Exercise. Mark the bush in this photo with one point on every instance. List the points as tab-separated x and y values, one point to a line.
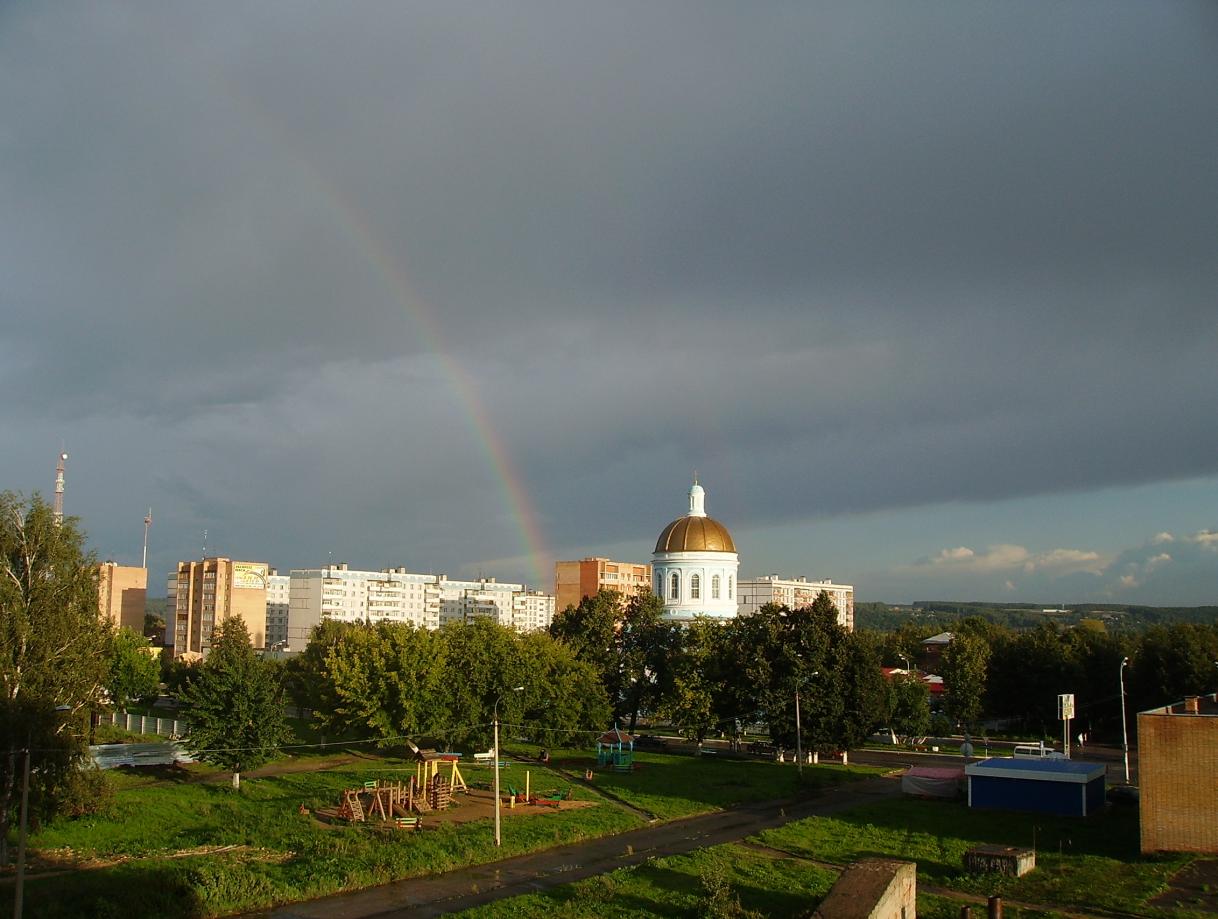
86	793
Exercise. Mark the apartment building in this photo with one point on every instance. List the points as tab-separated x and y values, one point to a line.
278	594
575	580
396	595
209	591
121	594
1178	776
795	593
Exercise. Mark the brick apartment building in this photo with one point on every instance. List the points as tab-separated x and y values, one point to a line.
1178	776
209	591
586	577
122	592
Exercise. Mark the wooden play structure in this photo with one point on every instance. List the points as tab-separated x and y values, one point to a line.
616	750
399	802
429	765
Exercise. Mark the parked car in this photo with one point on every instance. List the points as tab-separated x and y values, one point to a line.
1035	751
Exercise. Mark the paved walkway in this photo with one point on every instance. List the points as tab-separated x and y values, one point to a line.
436	895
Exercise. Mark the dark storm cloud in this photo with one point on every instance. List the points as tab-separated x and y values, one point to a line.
841	258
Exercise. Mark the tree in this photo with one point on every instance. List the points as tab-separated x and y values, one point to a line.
50	631
626	642
384	681
964	676
134	673
642	644
1171	662
909	704
690	692
154	628
235	704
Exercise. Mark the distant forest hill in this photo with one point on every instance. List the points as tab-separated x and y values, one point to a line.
1115	616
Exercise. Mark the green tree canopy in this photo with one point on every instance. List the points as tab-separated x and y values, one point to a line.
134	673
965	665
909	706
51	632
234	704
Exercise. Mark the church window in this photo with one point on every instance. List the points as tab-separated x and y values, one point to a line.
730	584
715	587
695	587
674	587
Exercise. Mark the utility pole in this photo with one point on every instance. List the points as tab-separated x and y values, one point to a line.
498	840
19	896
1124	723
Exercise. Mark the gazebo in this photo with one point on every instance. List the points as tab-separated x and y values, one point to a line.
613	748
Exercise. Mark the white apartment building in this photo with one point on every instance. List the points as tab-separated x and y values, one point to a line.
796	593
397	595
278	595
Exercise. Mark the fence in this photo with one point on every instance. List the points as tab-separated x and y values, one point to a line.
146	724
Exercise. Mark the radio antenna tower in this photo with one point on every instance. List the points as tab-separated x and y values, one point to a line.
63	457
147	524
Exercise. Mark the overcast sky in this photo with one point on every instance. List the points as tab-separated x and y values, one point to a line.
928	294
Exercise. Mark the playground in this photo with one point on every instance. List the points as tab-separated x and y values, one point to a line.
436	793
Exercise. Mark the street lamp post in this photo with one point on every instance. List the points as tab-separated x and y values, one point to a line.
498	840
799	747
908	666
19	896
19	884
1124	723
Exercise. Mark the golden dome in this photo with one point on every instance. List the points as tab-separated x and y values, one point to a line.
695	534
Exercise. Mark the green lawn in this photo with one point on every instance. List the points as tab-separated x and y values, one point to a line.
674	886
1084	863
284	856
1092	863
288	857
671	786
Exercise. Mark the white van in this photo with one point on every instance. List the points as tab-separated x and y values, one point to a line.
1035	751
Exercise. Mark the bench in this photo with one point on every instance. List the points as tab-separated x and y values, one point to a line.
484	757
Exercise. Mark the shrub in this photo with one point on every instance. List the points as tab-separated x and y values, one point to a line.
86	793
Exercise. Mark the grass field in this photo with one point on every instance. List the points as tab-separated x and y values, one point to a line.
1081	865
674	886
280	855
157	855
670	786
1093	862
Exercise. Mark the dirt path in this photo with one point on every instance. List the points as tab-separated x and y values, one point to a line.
468	887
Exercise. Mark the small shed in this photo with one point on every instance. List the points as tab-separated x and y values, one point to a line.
613	748
1069	788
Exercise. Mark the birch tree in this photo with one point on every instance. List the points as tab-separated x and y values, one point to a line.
52	650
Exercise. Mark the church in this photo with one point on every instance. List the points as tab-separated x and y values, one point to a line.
695	565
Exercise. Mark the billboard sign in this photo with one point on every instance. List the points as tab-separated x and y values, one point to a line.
249	575
1065	706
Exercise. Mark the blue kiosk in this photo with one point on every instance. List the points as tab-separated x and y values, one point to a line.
1068	788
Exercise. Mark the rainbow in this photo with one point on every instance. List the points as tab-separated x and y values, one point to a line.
515	495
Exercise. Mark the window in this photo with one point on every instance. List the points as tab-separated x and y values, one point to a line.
715	587
695	587
674	589
730	585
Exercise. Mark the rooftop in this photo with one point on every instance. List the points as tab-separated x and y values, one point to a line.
1202	706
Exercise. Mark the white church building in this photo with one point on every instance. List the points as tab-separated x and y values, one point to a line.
695	565
695	571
